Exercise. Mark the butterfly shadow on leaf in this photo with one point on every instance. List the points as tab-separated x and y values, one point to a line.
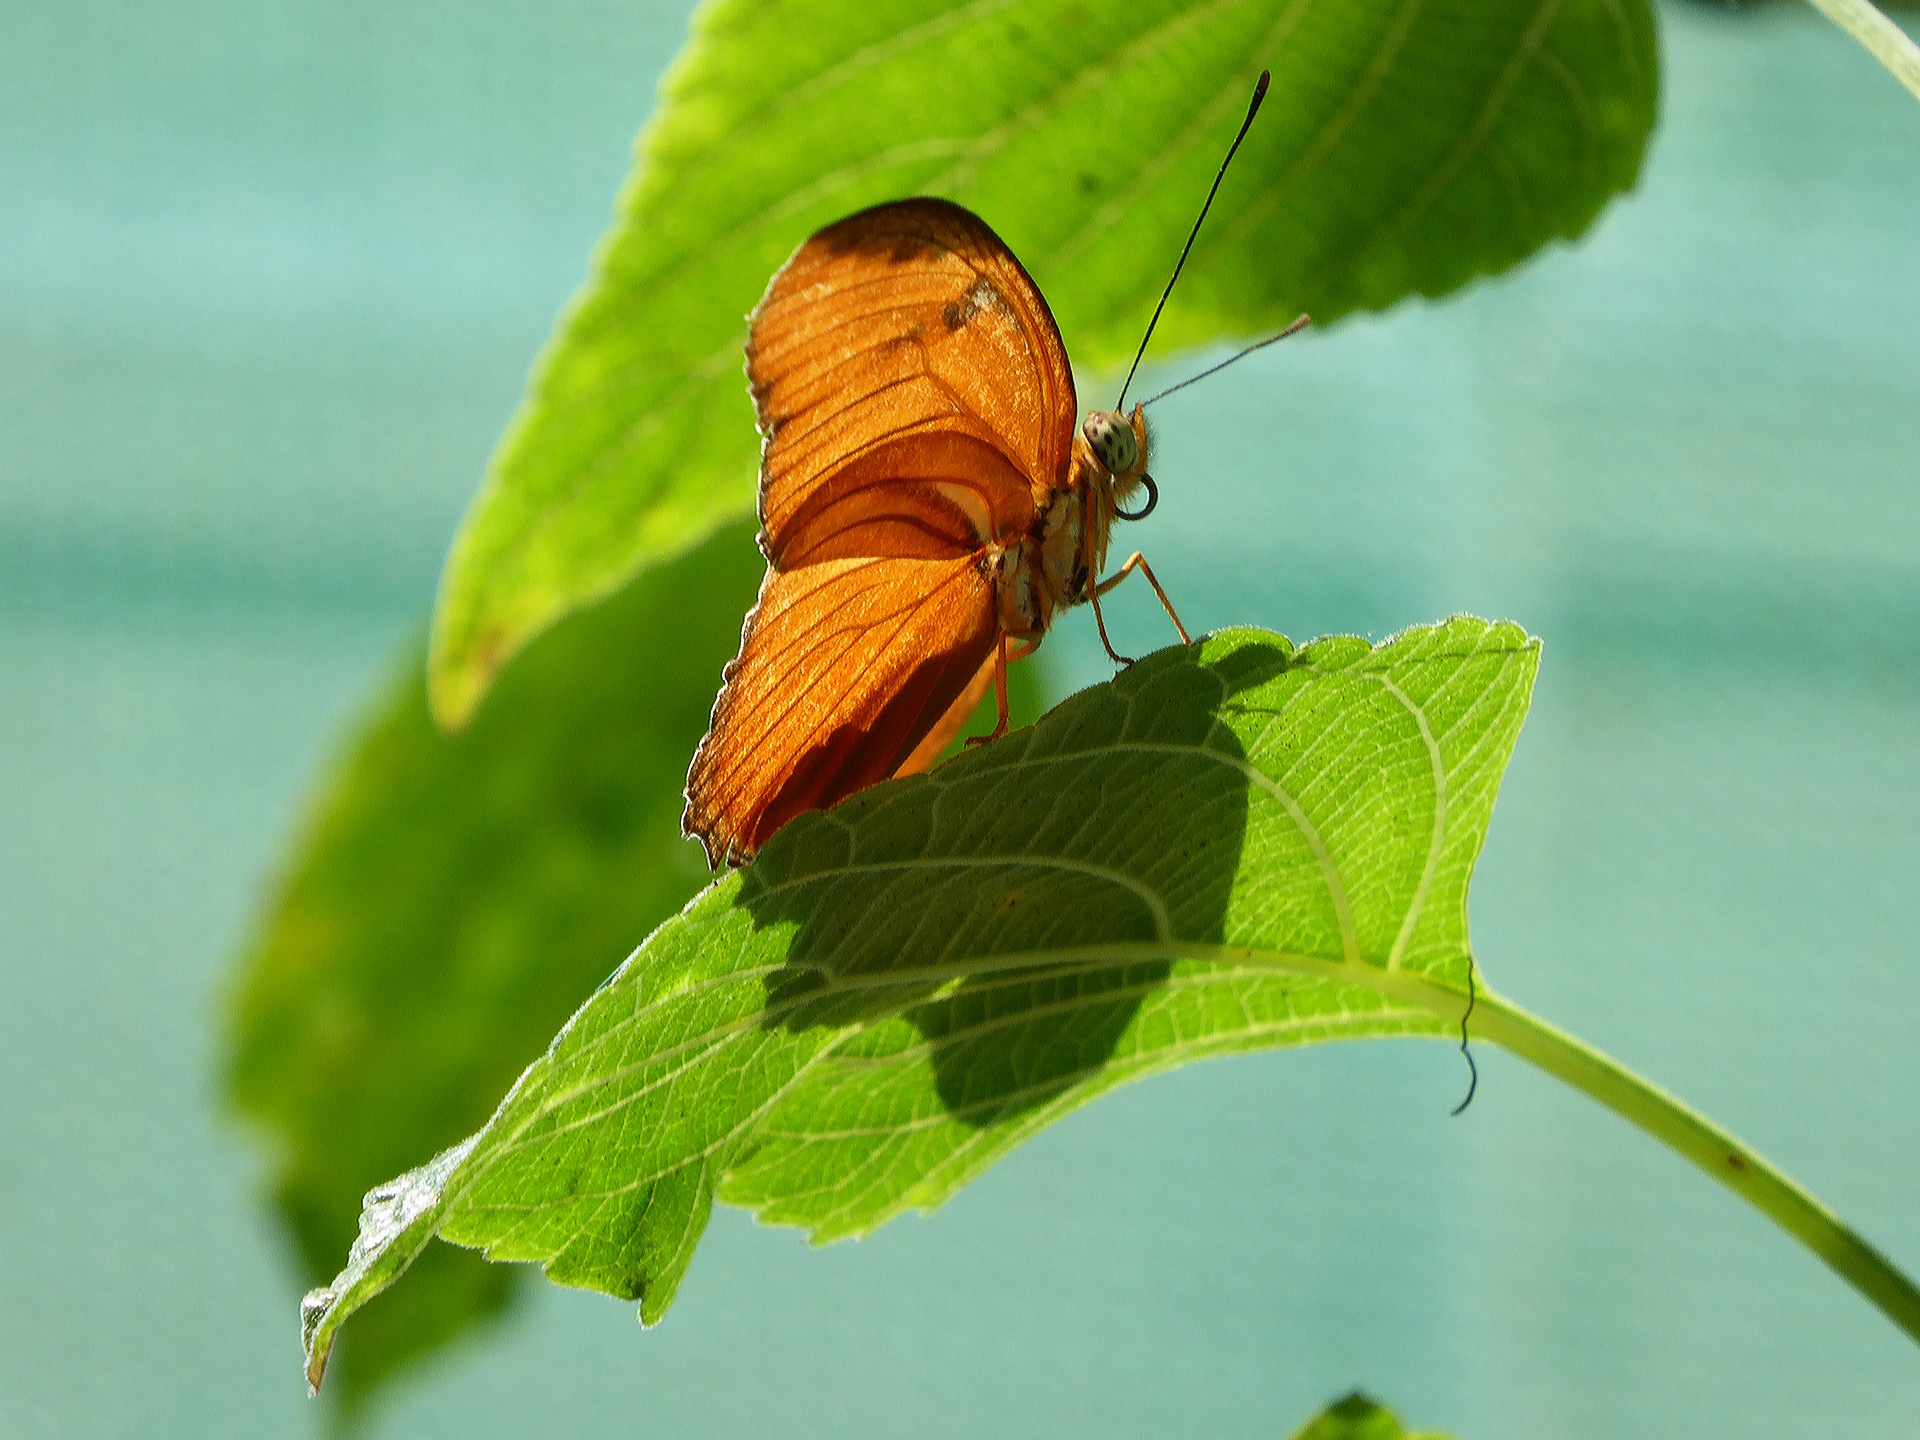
948	929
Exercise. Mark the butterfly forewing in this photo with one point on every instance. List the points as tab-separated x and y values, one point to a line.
905	345
913	394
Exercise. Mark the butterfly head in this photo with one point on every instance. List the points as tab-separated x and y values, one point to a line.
1119	443
1113	441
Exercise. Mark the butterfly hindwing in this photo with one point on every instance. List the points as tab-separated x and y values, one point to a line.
845	667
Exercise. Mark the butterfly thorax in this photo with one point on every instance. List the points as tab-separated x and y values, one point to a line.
1053	565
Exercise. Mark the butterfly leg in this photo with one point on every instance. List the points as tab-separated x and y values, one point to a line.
1093	594
1136	561
1001	661
1000	688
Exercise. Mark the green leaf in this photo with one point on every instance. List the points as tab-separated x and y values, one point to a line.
1358	1417
1405	149
1233	846
454	900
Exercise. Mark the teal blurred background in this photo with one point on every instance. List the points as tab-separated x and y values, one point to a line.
271	275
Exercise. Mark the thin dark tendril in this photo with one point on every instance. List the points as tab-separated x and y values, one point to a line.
1473	1070
1259	94
1295	328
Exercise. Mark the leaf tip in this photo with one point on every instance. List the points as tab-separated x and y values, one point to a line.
316	1336
396	1220
460	669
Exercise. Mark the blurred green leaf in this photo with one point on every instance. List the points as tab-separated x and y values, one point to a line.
1405	149
1230	847
454	900
1360	1418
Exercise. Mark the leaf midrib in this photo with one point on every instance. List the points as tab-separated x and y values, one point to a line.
1377	977
1398	985
1218	971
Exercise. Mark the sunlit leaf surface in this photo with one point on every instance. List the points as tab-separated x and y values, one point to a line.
1232	846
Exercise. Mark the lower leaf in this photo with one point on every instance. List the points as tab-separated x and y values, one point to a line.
1234	845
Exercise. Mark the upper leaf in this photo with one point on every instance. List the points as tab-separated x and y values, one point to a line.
1232	846
1405	148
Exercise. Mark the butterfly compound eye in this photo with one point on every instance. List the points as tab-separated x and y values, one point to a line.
1112	441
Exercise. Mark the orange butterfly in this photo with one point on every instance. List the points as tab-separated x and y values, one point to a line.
926	506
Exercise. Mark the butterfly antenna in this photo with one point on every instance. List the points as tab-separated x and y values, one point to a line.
1253	109
1294	329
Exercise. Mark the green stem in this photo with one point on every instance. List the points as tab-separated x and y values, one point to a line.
1733	1164
1736	1166
1886	41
